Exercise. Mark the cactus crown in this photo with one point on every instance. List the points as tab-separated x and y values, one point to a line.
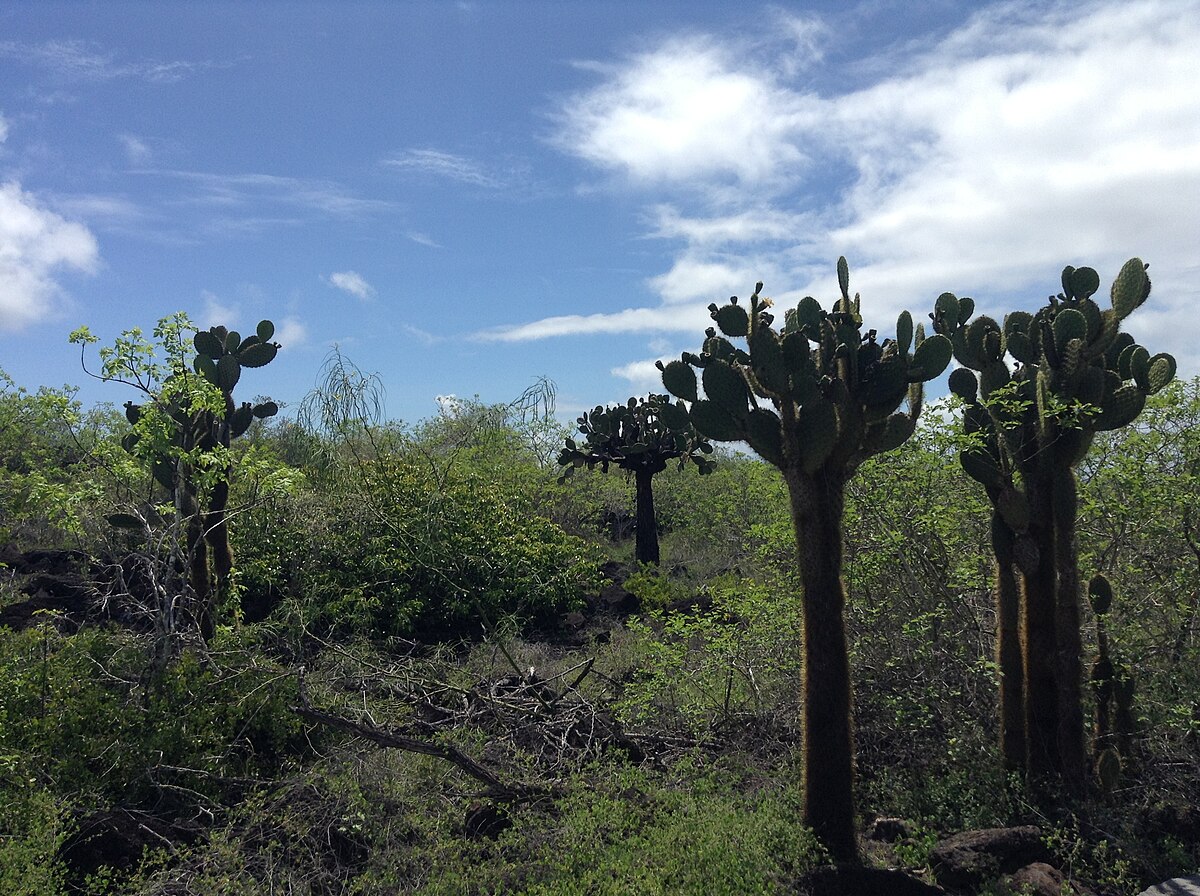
220	356
816	391
640	434
1076	374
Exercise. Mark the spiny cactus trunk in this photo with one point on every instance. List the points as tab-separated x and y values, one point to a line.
1039	645
817	504
188	509
216	533
646	550
1008	647
1069	652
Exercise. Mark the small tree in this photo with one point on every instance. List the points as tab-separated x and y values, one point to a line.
641	437
184	432
1076	374
815	398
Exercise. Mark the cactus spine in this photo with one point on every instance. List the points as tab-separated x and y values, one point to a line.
1076	374
641	437
815	397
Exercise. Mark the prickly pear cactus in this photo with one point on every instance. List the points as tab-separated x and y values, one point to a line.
1036	390
816	393
641	437
815	396
221	355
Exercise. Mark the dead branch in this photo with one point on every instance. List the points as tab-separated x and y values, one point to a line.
496	788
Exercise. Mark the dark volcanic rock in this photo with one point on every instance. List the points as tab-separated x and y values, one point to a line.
968	860
862	882
1040	879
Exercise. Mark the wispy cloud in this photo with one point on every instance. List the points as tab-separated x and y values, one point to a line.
422	239
631	320
81	61
1029	138
136	150
435	163
256	189
353	283
35	245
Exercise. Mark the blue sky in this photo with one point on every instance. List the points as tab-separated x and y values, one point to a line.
466	196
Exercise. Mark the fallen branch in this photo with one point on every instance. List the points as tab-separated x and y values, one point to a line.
496	788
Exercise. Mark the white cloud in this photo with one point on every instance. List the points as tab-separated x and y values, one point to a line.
631	320
217	312
643	376
236	192
353	283
692	279
443	164
688	110
3	129
35	244
1031	137
291	333
422	240
136	150
76	60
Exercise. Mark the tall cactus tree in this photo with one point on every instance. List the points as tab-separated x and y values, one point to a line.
815	398
198	432
641	437
1076	374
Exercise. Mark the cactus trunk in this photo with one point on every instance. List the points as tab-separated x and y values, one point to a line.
1008	647
1069	648
828	745
646	550
1038	644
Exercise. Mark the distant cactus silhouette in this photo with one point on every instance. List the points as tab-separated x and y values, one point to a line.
815	398
1076	374
641	437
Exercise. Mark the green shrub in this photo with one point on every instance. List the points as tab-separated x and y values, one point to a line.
407	554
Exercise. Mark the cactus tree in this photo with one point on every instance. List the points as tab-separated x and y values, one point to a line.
815	397
186	438
1075	374
641	437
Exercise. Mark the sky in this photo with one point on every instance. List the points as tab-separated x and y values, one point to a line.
464	197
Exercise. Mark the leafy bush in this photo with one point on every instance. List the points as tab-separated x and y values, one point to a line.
408	553
80	715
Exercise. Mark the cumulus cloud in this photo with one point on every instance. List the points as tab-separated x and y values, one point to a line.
353	283
35	245
1028	138
688	110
